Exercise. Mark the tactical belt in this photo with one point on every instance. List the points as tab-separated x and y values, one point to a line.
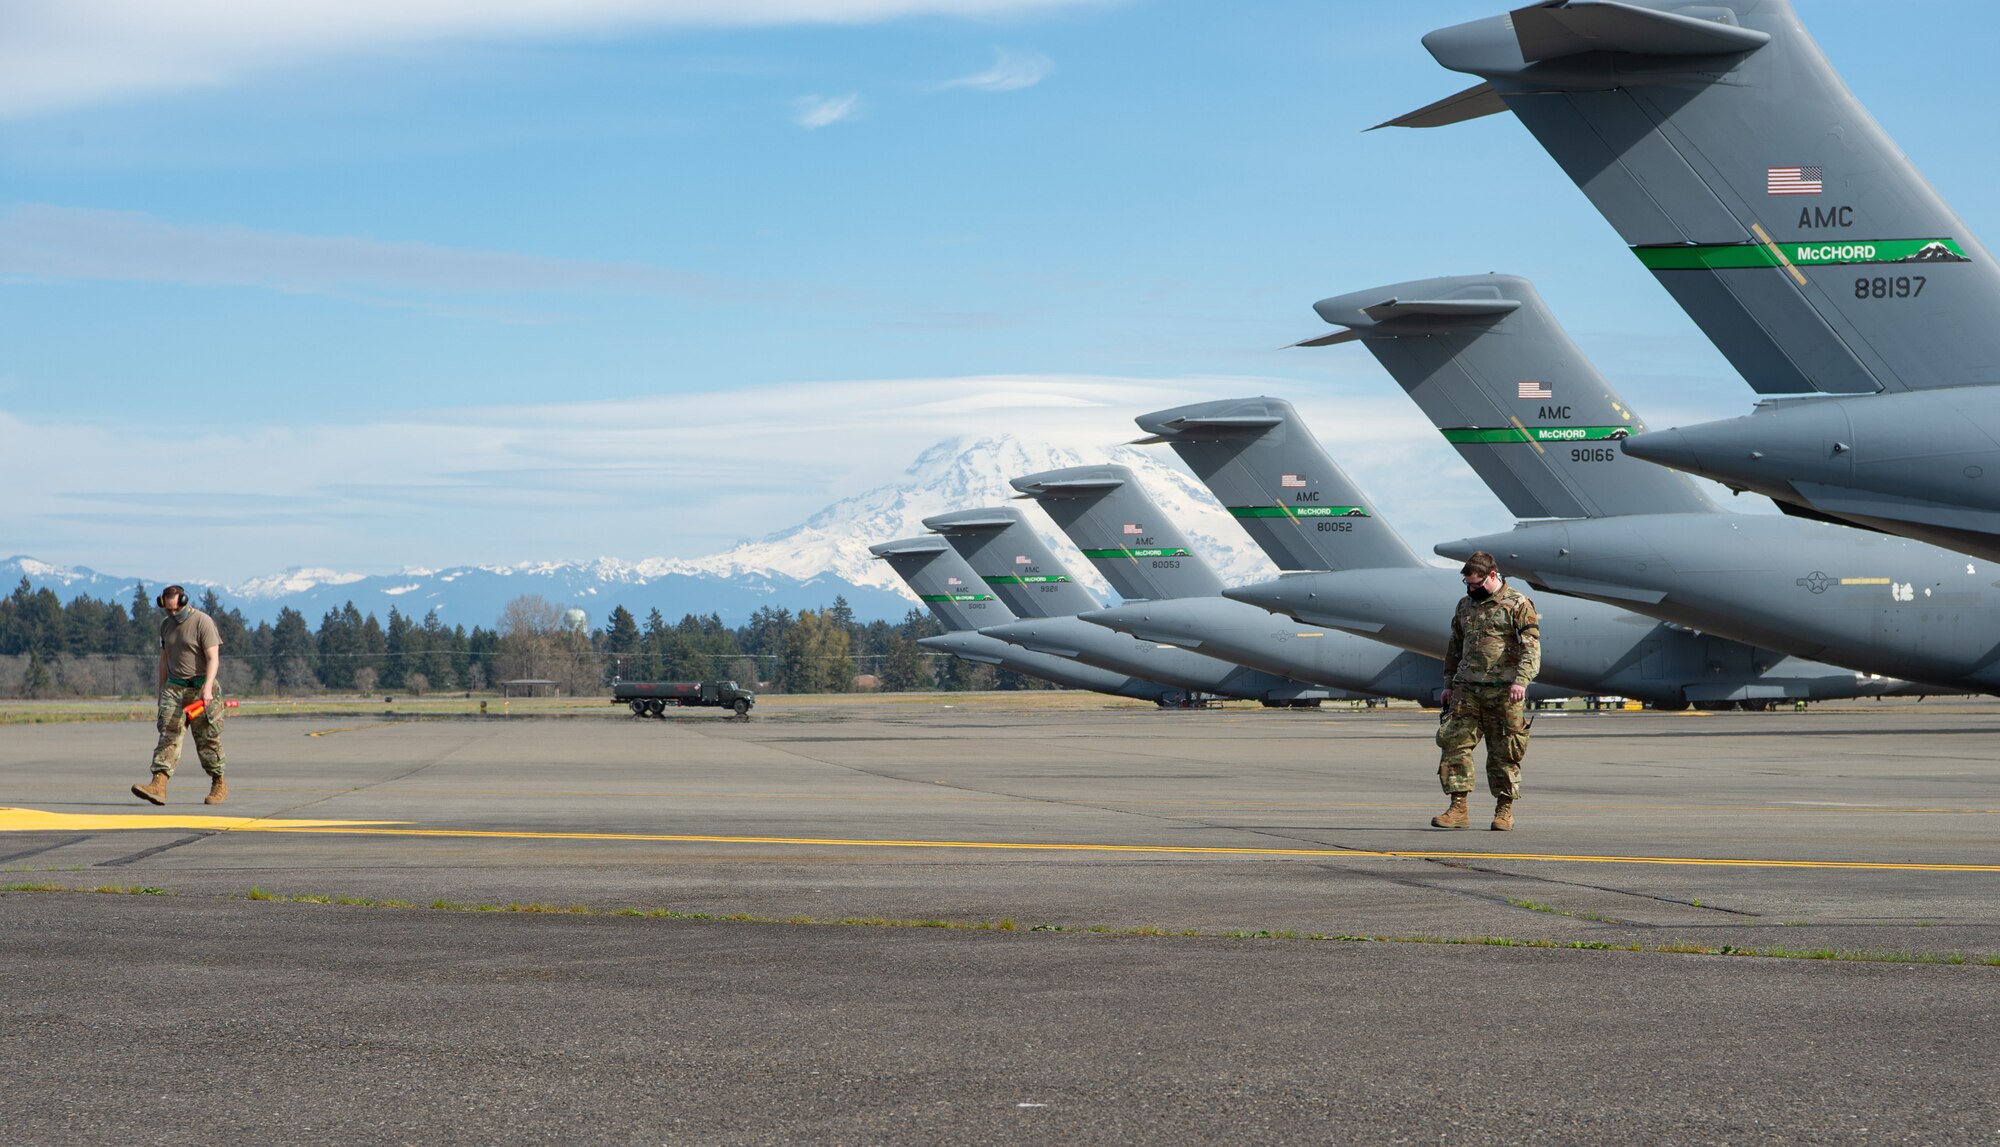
187	683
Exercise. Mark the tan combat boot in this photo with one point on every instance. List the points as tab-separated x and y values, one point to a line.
218	791
154	790
1503	815
1454	817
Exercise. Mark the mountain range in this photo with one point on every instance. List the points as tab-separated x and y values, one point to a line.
803	567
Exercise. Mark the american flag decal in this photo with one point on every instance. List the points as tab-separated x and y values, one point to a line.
1292	482
1023	560
1132	529
1794	180
1535	390
953	581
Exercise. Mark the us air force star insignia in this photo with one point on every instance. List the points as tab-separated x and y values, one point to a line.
1814	581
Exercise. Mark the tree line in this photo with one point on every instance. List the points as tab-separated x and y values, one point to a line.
86	647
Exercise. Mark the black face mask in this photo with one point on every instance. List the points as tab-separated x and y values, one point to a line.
1478	592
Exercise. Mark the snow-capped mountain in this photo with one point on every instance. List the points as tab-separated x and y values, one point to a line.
804	567
965	474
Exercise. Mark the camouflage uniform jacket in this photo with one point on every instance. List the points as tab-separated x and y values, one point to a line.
1497	641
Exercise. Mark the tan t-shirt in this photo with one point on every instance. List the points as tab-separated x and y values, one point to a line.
187	643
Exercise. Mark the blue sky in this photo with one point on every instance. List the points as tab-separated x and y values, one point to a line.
365	284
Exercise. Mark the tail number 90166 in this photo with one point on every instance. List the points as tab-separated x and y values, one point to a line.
1592	454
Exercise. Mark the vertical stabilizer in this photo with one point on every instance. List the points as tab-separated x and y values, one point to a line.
1488	364
1257	457
1013	561
1745	175
1123	533
936	574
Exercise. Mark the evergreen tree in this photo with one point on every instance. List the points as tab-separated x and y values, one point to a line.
436	661
145	636
339	647
622	640
483	648
292	653
258	659
374	647
399	642
653	649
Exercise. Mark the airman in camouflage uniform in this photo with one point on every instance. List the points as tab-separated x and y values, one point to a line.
190	655
1494	653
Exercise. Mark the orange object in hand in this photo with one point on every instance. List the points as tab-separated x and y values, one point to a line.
194	708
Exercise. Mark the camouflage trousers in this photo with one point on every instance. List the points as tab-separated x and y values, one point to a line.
172	721
1483	711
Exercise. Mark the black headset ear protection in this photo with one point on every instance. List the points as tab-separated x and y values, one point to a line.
177	591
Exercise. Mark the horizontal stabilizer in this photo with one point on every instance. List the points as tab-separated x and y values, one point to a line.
946	523
1472	103
1074	486
1554	30
1220	424
1439	308
909	546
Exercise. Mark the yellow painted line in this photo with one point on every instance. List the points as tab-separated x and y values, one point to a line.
44	821
355	728
1765	238
35	820
1162	849
1864	581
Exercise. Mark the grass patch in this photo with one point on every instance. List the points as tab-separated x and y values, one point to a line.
70	717
1552	910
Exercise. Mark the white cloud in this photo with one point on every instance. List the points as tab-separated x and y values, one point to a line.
815	112
57	55
38	241
678	476
1009	72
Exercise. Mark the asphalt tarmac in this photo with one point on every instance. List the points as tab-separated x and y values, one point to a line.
974	918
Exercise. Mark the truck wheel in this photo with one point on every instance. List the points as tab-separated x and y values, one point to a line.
742	707
638	708
657	709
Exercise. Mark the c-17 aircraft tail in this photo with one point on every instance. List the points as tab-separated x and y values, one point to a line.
944	582
1124	534
1296	503
937	574
1013	562
1726	150
1493	370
